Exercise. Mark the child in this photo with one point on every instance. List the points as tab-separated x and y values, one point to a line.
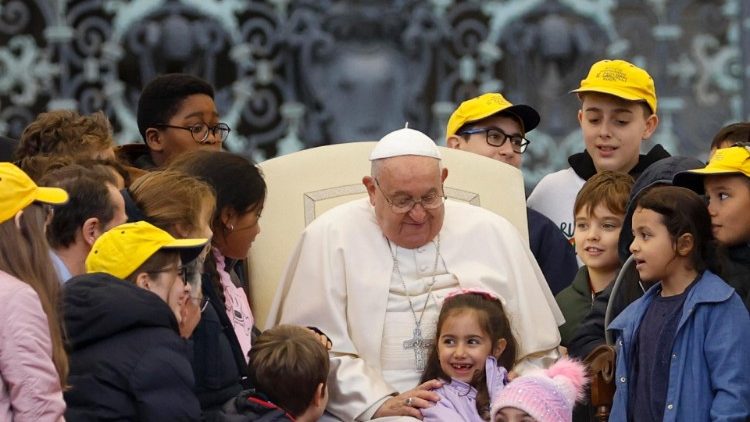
726	183
618	112
128	361
474	347
289	368
491	126
599	212
682	347
542	395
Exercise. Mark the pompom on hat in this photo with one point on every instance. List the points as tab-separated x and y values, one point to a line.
546	395
405	142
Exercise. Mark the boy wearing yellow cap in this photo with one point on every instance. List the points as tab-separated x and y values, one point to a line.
726	183
127	360
491	126
618	113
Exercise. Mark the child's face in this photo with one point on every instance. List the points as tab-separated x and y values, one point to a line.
728	204
195	109
511	414
613	129
596	236
463	346
653	248
477	143
236	243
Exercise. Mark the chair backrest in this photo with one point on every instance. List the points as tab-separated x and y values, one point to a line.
305	184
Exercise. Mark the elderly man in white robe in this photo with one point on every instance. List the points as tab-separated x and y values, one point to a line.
372	274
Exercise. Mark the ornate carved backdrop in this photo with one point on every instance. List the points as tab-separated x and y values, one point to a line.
291	74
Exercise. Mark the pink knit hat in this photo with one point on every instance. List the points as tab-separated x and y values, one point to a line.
546	395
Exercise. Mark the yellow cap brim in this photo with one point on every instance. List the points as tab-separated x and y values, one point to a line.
616	92
52	196
189	249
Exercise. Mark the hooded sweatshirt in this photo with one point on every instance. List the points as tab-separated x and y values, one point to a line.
127	360
555	195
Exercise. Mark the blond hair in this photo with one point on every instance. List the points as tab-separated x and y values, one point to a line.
172	199
65	132
288	363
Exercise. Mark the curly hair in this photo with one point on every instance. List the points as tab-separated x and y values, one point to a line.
65	132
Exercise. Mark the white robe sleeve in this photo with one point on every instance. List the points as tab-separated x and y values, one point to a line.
314	292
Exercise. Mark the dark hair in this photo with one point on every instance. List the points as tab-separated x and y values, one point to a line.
734	133
89	197
608	188
684	212
155	262
287	363
162	97
494	323
475	123
237	182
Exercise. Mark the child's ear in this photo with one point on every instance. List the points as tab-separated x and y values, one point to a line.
685	244
651	123
320	395
453	141
499	348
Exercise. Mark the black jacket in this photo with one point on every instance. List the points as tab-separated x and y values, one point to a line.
252	406
583	164
127	360
218	362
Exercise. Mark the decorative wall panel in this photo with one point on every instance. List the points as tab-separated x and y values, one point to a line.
292	74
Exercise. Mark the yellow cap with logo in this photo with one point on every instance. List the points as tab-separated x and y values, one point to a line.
725	161
487	105
18	191
621	79
124	248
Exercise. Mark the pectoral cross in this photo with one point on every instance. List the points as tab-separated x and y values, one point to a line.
420	346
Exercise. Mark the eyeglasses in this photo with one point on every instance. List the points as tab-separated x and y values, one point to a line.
200	302
182	272
497	138
404	203
200	131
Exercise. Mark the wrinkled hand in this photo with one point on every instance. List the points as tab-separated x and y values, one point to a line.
322	338
409	402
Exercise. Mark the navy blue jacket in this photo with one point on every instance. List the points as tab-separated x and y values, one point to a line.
127	360
554	254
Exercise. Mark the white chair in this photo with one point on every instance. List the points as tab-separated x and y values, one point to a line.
303	185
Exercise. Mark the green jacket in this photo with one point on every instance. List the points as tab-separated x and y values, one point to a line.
575	303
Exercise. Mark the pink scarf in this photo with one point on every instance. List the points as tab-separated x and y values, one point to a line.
236	304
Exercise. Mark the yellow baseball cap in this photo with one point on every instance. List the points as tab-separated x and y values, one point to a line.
487	105
124	248
725	161
621	79
18	191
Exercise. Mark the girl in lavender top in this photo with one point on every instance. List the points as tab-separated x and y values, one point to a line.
474	346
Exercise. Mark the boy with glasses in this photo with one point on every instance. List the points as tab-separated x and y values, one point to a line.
176	114
127	360
490	125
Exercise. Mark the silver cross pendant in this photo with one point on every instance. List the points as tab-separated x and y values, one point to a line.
420	346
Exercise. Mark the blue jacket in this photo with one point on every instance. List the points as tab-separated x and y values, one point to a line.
708	377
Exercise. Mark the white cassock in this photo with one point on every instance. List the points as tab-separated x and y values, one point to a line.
338	280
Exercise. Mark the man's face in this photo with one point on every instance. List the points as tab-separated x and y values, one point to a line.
413	177
195	109
613	130
118	204
477	143
728	204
